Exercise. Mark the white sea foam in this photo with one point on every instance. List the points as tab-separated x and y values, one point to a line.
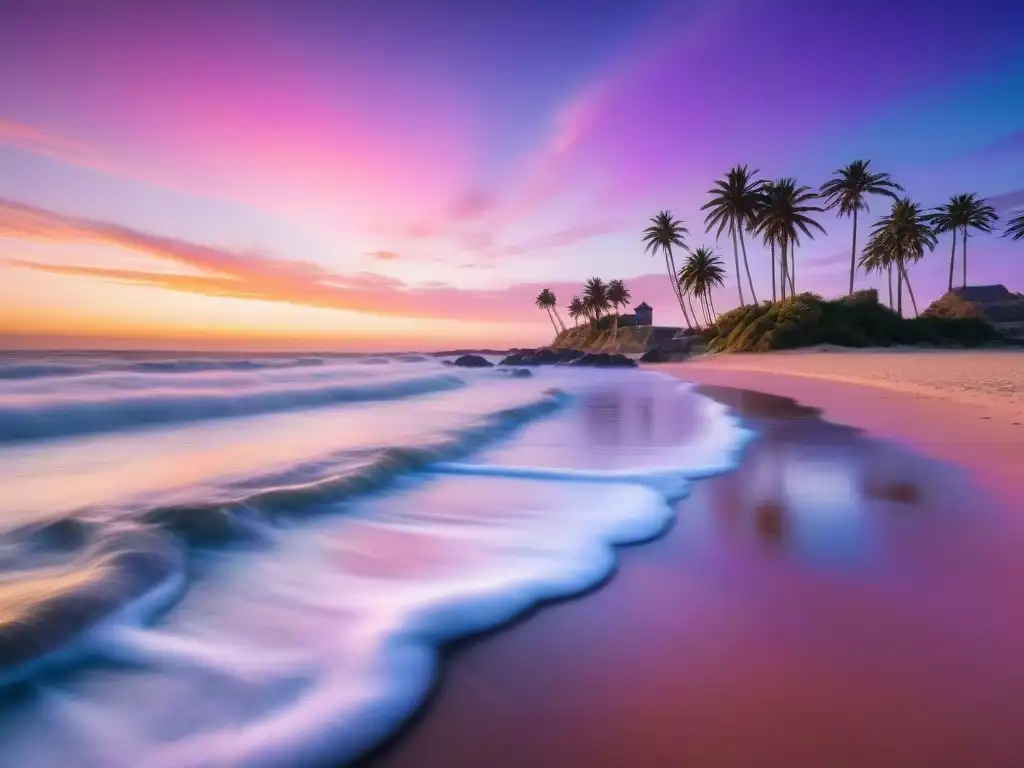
316	644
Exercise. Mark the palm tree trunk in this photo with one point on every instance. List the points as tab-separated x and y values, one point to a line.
714	313
906	278
736	258
774	297
853	251
559	318
952	259
963	256
689	300
792	269
890	286
782	272
899	292
552	319
706	308
674	280
743	245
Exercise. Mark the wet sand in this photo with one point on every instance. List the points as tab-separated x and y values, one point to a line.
838	600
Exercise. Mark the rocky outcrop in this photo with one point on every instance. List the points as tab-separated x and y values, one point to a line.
516	373
994	304
472	361
542	356
605	360
659	355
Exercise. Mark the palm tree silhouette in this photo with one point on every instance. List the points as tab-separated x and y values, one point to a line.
783	215
964	212
703	271
618	296
546	300
897	240
664	232
1015	227
848	190
577	309
595	297
950	217
734	203
766	193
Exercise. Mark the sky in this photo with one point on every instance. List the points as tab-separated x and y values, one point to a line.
409	174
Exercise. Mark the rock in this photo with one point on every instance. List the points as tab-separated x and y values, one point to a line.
517	373
542	356
654	355
472	361
605	360
674	354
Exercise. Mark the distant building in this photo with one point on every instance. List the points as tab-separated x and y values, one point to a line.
644	314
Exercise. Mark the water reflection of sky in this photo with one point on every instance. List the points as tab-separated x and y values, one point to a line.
809	489
616	423
822	493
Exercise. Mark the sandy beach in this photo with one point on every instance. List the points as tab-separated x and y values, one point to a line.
848	596
989	378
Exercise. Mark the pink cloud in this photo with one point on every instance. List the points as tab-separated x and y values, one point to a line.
28	138
253	276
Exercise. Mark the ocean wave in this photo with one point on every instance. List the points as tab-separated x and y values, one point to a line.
314	645
76	573
35	418
35	370
122	575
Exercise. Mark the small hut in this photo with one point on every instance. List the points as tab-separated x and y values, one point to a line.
644	314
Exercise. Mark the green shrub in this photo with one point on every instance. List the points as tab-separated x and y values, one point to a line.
858	320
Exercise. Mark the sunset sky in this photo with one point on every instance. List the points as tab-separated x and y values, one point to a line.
405	174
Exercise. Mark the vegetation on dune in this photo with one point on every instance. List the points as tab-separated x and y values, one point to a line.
780	212
856	320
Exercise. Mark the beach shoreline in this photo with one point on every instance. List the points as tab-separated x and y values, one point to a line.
699	651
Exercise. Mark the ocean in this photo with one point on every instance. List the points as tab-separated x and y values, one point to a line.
221	560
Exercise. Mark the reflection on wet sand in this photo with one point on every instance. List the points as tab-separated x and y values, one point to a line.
810	484
837	600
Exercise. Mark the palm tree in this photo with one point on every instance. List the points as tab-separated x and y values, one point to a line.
546	301
897	240
950	217
979	215
961	213
734	203
848	191
664	232
595	297
783	215
577	309
618	296
767	192
703	271
1015	227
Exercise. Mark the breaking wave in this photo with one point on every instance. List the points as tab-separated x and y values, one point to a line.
289	608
